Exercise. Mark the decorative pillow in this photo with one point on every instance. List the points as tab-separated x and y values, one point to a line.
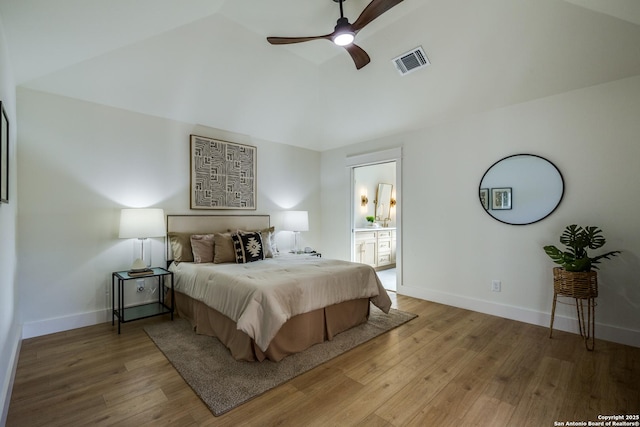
181	246
268	241
248	246
202	247
223	248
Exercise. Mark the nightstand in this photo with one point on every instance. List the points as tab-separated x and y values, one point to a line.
141	311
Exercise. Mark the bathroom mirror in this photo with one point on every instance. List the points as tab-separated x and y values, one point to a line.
521	189
383	201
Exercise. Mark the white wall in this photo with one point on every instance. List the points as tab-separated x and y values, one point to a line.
452	249
80	163
9	326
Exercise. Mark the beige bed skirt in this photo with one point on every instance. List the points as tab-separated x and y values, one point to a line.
297	334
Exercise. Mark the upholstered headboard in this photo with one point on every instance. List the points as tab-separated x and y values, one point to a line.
206	224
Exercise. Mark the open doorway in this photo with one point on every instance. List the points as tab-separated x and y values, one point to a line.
375	214
374	219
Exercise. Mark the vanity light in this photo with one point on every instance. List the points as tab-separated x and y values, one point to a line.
364	200
392	202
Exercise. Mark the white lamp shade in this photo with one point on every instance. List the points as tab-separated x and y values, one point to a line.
295	221
141	223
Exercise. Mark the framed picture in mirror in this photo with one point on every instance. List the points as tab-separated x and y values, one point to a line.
484	198
501	198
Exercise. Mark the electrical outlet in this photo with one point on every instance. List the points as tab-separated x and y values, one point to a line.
496	285
140	285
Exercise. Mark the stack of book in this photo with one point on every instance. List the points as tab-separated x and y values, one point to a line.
138	273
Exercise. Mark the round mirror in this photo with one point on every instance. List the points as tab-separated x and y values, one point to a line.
521	189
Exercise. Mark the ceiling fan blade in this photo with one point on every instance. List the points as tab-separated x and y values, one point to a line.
372	11
291	40
359	56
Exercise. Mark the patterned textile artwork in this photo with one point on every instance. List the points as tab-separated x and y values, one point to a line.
223	174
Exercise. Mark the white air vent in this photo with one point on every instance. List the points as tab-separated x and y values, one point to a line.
411	61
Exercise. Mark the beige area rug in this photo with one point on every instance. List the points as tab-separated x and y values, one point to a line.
224	383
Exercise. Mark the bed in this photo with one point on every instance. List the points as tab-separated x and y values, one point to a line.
268	307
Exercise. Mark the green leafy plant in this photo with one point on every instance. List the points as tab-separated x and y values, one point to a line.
371	219
577	240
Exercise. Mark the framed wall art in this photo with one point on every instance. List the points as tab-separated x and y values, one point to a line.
223	174
4	155
501	198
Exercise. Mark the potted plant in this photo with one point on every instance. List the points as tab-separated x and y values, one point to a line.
577	240
576	277
371	220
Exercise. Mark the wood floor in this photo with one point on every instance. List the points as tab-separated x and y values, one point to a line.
448	367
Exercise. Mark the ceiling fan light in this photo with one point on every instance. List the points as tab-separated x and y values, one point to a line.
343	34
344	39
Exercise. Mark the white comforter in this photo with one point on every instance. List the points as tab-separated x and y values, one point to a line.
261	296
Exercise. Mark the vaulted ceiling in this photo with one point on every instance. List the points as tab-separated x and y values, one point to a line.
208	62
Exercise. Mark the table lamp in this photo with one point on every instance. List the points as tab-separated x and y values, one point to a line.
141	224
295	221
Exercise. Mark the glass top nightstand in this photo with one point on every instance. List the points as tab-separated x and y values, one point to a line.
141	311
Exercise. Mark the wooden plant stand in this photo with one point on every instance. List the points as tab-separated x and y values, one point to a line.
583	287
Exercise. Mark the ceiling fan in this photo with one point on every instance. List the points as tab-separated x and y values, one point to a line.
345	33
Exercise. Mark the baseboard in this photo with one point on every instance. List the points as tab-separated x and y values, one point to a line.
13	345
606	332
59	324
